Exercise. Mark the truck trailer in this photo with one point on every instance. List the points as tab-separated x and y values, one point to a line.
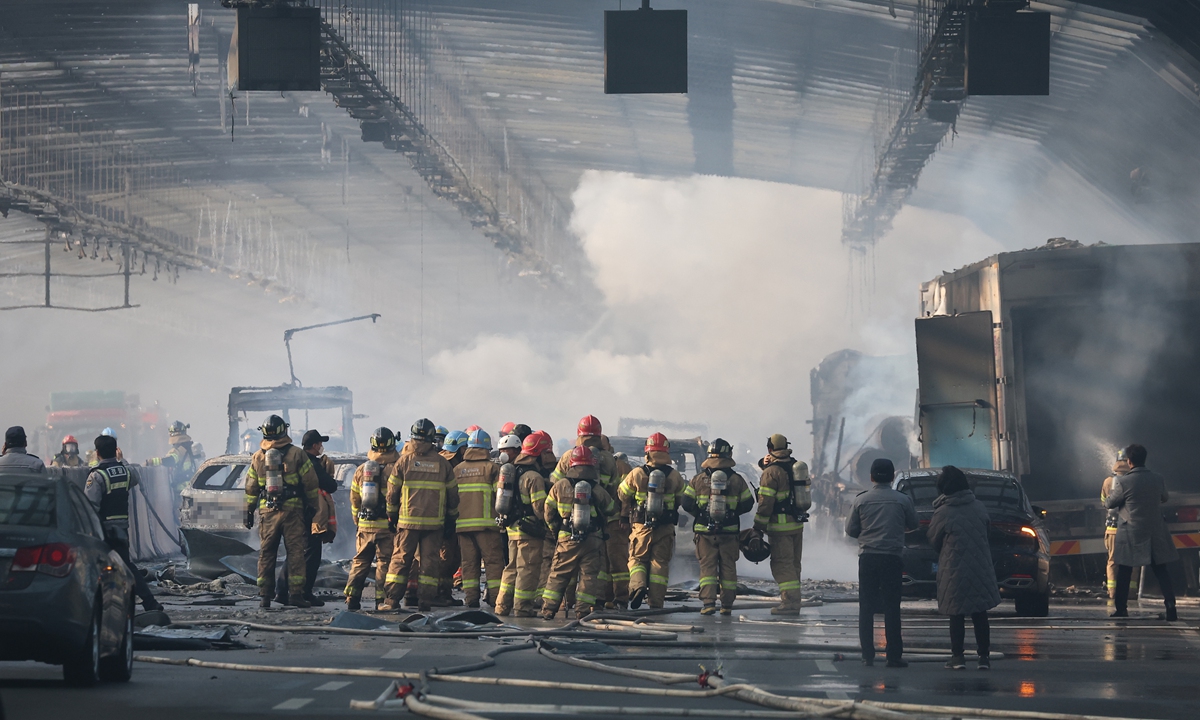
1043	363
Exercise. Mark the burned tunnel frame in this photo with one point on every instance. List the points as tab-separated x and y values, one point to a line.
285	398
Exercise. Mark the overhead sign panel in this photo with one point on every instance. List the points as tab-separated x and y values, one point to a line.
276	48
1008	53
645	51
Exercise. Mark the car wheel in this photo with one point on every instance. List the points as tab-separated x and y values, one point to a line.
119	666
1033	605
82	669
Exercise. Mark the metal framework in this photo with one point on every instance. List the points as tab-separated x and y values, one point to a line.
911	121
388	66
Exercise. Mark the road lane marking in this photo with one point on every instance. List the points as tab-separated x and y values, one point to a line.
293	704
334	685
836	695
395	654
826	666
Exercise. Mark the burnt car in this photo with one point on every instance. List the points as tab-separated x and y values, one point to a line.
66	598
1019	543
215	501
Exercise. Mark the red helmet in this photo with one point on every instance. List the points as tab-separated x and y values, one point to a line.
472	429
589	426
536	443
582	455
507	428
70	439
657	443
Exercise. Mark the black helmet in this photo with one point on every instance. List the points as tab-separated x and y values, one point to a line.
754	547
177	428
423	429
383	440
720	448
522	431
274	428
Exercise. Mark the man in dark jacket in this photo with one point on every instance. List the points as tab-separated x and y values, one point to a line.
313	443
14	455
879	518
1142	536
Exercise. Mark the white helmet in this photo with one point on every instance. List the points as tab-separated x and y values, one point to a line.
510	442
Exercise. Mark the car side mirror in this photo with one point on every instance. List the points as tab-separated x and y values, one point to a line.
1039	511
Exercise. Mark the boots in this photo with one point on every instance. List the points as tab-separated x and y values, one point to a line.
790	605
298	600
265	602
353	603
710	609
1171	615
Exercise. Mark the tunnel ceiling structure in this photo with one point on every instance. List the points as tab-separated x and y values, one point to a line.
500	108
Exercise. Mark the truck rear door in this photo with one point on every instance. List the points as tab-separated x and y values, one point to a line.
956	369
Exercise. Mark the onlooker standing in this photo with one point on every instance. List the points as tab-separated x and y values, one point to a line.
878	518
15	456
966	578
1142	536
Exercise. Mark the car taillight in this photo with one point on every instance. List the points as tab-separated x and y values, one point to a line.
54	559
1187	514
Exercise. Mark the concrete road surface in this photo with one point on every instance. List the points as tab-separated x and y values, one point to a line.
1076	661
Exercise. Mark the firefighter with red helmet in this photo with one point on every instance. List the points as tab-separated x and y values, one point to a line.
68	456
616	571
650	497
577	509
522	512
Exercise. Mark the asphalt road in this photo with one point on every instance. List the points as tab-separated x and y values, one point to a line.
1076	661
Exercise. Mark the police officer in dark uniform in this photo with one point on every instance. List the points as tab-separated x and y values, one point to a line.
108	486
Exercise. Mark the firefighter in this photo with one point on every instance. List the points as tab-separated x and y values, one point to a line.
282	486
508	449
1119	468
422	499
617	546
523	515
323	526
68	456
180	459
479	539
439	435
453	446
589	434
783	503
368	504
108	486
717	497
577	509
650	498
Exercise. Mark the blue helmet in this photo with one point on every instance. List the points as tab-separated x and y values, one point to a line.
109	432
455	439
479	439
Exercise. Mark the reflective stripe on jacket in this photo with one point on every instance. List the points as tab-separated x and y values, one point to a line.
298	474
634	489
775	486
422	491
560	503
738	498
476	476
376	518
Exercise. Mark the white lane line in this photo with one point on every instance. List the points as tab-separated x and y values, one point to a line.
293	704
836	695
816	631
826	666
332	686
395	654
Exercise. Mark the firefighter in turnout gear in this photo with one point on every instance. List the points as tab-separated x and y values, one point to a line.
108	487
479	538
717	497
368	503
783	502
521	510
590	435
68	456
422	495
1119	468
617	545
650	498
282	486
577	509
180	459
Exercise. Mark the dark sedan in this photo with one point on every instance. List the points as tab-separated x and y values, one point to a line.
65	597
1020	546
